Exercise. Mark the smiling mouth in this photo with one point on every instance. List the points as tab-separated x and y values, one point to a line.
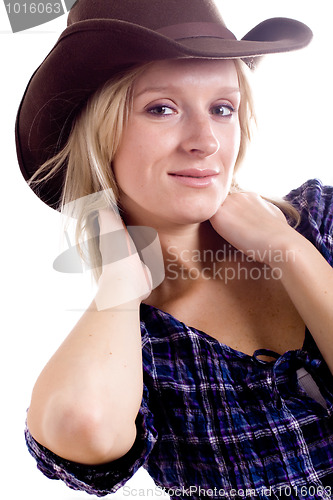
194	176
195	173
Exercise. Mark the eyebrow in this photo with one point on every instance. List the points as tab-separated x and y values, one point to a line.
147	90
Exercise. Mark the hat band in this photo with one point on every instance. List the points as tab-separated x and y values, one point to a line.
196	30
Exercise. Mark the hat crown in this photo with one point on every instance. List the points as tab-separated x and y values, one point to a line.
151	14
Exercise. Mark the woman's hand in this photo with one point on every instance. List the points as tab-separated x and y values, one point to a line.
125	278
252	225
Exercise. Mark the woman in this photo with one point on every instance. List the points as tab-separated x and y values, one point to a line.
239	403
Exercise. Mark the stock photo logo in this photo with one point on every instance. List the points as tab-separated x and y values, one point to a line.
127	254
26	14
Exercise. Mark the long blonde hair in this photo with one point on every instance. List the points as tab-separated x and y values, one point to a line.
93	143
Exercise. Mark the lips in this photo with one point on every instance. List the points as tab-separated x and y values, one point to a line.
195	177
194	172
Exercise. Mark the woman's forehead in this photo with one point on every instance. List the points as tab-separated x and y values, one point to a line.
180	72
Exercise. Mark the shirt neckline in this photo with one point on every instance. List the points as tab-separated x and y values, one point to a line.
225	347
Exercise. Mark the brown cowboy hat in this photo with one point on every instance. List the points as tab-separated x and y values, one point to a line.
104	37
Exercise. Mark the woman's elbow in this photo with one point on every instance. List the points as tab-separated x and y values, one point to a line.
80	433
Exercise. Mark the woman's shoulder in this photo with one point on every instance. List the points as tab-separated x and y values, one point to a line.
313	197
314	202
158	325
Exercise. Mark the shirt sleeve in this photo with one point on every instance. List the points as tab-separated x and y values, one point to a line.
101	480
314	202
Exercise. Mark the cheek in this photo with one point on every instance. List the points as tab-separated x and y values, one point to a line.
124	162
229	149
234	142
131	166
142	151
135	141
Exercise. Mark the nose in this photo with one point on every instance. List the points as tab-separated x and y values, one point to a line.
199	137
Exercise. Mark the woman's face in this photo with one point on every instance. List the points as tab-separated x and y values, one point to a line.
176	157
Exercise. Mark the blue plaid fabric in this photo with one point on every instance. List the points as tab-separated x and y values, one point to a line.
218	423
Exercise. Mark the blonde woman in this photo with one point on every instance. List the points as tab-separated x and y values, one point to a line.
217	379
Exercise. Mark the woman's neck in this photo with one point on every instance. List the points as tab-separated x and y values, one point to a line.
189	255
189	252
187	246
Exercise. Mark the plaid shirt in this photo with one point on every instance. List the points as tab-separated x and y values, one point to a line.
215	422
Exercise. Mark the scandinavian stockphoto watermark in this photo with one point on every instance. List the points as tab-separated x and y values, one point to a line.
226	263
132	256
25	14
129	256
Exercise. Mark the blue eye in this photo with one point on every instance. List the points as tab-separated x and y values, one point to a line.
160	110
222	110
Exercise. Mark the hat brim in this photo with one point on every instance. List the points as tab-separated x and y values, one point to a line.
89	53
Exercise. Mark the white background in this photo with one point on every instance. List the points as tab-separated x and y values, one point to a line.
39	306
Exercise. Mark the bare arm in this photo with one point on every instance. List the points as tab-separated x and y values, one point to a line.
85	402
308	279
